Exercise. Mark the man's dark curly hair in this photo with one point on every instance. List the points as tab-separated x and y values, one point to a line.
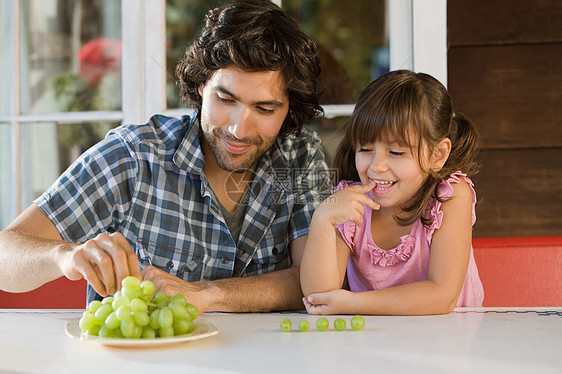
255	35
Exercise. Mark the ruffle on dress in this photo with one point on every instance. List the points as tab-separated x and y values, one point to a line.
391	257
445	190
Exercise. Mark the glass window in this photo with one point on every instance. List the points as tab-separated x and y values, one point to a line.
6	180
70	55
50	148
184	20
353	41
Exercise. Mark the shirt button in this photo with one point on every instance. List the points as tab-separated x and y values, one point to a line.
170	265
274	250
225	260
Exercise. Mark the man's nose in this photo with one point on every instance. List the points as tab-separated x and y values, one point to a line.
241	124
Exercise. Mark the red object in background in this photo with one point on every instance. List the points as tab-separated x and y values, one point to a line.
520	271
99	57
58	294
515	271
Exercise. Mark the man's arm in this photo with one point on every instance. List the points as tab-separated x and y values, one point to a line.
278	290
32	253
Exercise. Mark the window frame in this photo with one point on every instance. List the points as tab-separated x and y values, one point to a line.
417	32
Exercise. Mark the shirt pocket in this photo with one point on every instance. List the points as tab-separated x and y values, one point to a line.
184	264
272	254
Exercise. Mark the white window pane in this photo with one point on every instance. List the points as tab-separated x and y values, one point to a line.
70	55
51	148
5	178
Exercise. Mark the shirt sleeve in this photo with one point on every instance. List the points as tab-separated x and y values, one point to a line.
93	194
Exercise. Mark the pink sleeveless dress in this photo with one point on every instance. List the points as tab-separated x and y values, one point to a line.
372	268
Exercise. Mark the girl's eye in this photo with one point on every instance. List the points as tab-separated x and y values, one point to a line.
397	153
362	150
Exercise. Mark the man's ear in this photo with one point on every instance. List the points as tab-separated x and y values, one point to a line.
200	90
441	154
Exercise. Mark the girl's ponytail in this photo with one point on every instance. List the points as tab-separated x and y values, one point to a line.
465	145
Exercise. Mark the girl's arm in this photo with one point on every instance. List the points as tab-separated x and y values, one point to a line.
325	255
450	253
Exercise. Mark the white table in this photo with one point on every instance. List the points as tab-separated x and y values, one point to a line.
465	341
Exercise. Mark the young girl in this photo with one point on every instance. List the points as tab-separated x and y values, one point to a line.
397	232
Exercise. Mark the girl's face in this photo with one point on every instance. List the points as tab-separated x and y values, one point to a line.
394	170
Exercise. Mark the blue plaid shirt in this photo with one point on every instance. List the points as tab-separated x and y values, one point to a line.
147	182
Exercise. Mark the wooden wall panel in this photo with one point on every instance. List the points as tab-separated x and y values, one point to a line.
505	72
514	93
485	22
520	193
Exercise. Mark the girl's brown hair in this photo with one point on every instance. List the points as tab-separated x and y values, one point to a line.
414	109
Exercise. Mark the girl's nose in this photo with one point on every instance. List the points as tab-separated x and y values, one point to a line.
378	163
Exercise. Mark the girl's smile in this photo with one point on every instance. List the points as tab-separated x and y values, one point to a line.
393	169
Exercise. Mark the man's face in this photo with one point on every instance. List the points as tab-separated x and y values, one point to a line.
241	115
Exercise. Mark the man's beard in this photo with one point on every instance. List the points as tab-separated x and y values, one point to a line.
236	163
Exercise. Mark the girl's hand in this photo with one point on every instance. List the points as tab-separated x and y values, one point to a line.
347	205
331	302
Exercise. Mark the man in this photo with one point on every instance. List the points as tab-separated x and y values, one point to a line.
215	206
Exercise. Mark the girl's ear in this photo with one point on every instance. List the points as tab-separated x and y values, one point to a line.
441	154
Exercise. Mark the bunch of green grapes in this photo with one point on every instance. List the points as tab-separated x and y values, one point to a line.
135	312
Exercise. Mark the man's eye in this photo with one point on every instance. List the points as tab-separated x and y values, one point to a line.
224	99
265	110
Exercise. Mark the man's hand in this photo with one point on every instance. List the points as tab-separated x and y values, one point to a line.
172	285
103	261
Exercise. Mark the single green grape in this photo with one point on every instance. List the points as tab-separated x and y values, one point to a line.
137	332
148	333
165	318
105	332
357	323
118	301
161	298
140	318
178	298
94	305
107	300
178	310
112	322
102	312
127	328
132	294
138	305
94	330
322	324
192	311
166	332
87	322
124	313
286	325
130	283
183	326
304	325
154	319
147	288
339	324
